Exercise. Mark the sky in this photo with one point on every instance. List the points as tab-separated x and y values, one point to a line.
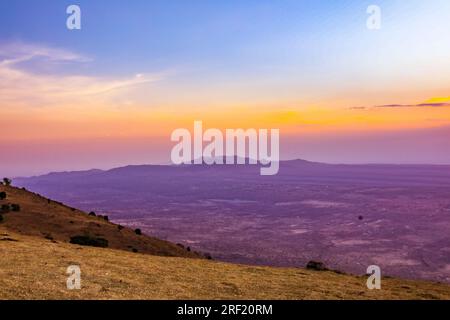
111	93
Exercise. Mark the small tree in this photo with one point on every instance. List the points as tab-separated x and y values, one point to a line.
89	241
316	265
5	208
208	256
1	218
2	195
92	214
7	181
138	232
15	207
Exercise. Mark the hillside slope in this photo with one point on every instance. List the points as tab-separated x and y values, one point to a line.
35	254
33	268
42	217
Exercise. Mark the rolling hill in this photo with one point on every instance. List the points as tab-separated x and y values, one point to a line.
35	253
44	218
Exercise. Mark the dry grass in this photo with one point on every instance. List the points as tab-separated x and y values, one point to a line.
32	268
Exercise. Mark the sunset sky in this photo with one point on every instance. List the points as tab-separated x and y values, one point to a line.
111	93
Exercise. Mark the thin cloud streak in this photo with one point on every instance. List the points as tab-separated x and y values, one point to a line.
420	105
19	87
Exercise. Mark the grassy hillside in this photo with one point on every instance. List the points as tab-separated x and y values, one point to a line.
42	217
34	268
33	265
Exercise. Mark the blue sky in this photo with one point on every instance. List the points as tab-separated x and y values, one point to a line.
163	34
141	68
305	42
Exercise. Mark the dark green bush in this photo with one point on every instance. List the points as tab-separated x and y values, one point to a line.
2	195
1	218
7	181
15	207
89	241
5	208
92	214
316	265
48	236
208	256
138	232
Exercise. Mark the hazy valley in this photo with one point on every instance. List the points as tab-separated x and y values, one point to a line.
348	216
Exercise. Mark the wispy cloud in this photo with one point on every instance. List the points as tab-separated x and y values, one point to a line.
419	105
13	53
22	86
358	108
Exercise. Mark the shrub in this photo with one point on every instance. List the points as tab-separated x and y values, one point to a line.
2	195
138	232
89	241
7	181
15	207
208	256
106	218
1	218
120	227
48	236
135	250
315	265
92	214
188	249
5	208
